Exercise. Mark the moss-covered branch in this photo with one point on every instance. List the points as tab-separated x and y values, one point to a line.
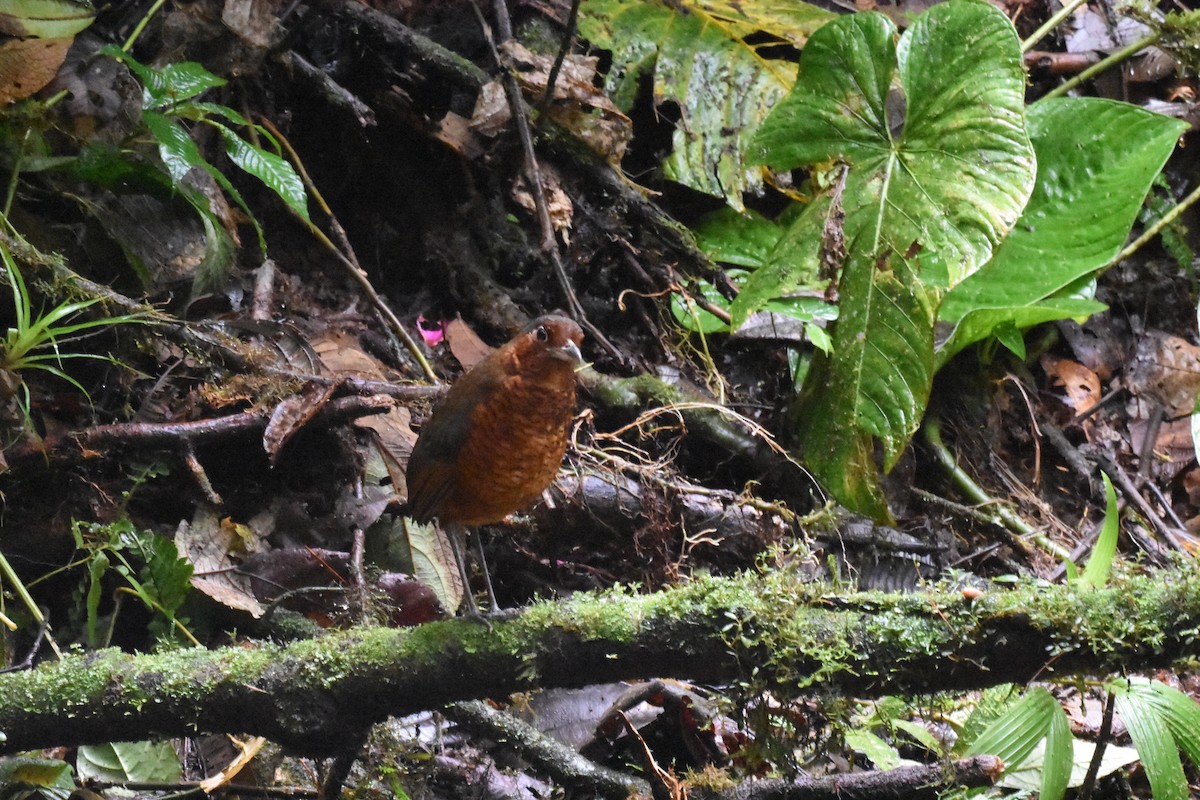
314	694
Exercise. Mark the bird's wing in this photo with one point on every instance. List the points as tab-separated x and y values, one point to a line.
433	463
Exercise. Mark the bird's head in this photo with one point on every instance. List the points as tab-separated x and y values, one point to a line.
553	337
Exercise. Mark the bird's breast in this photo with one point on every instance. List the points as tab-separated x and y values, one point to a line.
513	449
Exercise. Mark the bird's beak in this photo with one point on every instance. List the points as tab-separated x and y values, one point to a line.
570	352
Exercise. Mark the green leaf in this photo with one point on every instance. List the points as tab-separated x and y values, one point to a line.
171	84
269	168
933	130
200	112
794	264
1179	711
693	318
744	239
1154	743
1096	161
701	60
920	734
46	19
882	754
97	565
125	762
175	145
979	324
48	773
219	257
1012	736
1059	756
1030	775
166	575
877	384
1095	574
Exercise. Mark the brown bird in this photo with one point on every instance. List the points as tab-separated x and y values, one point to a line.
497	439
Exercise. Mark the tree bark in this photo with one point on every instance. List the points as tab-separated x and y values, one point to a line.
765	631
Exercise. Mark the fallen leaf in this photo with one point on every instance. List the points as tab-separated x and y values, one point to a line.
27	65
465	344
1080	385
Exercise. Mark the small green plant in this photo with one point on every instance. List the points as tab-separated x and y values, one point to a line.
148	564
1100	562
35	341
168	101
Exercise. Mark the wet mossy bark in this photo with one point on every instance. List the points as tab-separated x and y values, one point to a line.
765	631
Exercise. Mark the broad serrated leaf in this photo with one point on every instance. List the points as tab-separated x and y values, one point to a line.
932	128
700	61
125	762
276	173
166	575
877	384
1155	745
1096	161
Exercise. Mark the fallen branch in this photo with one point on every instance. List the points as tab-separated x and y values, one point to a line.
912	783
98	440
312	695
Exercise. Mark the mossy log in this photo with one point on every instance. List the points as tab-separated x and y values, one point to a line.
768	631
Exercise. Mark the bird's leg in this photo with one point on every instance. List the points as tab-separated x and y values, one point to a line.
483	567
457	535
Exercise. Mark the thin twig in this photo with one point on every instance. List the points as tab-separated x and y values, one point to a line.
967	485
1067	10
1093	771
347	259
1090	72
1123	482
533	173
568	40
1156	228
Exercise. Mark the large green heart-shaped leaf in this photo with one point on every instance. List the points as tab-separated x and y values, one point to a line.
933	133
1096	160
933	130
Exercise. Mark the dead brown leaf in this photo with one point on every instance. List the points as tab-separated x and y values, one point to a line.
1166	368
27	65
465	344
1080	385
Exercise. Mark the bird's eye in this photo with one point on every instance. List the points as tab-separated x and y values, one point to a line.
542	334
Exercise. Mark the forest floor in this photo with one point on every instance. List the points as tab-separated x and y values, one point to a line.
239	452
